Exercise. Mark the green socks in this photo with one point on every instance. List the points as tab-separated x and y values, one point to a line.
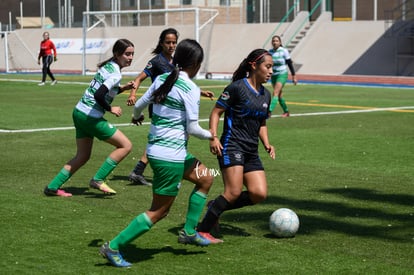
142	223
136	228
106	168
273	104
63	176
283	105
195	207
60	179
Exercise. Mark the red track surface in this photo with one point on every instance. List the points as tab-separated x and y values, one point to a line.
392	80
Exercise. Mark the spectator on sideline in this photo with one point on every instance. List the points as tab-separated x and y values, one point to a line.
280	57
245	104
159	64
48	54
178	106
89	122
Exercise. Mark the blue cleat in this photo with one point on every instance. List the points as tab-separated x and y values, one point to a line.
195	239
113	256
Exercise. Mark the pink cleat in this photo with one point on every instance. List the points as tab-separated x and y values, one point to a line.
210	237
59	192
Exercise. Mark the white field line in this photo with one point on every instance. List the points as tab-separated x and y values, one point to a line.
204	120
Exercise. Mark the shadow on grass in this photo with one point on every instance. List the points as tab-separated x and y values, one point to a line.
134	254
224	229
371	195
349	217
87	192
126	178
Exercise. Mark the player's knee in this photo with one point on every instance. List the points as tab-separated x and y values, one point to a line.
82	159
258	197
127	146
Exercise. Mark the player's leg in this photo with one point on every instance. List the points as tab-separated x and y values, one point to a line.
137	174
103	130
138	226
83	153
233	185
159	209
48	71
256	185
255	181
197	173
44	69
84	142
167	177
280	83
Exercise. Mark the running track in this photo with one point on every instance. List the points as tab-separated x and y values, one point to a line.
358	80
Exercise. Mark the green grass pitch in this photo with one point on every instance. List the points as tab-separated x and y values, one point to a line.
344	164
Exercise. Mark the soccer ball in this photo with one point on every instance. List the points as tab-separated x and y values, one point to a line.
284	223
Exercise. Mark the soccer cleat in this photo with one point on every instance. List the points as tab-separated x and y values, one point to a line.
210	237
285	114
138	179
41	84
195	239
59	192
54	82
113	256
100	185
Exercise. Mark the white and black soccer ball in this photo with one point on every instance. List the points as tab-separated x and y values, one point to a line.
284	223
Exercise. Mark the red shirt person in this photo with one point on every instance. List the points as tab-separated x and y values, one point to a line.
48	54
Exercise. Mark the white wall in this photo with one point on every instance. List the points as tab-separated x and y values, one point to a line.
331	49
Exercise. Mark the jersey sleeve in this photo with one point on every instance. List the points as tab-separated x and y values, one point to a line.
227	97
53	47
286	54
192	104
151	68
113	81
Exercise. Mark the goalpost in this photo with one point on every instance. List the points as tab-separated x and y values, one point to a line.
196	18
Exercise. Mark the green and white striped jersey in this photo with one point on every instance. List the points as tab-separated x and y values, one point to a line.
108	75
279	56
168	136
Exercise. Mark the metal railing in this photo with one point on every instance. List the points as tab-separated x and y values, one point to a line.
284	19
304	22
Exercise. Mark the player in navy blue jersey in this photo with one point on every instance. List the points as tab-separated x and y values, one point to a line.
161	63
245	104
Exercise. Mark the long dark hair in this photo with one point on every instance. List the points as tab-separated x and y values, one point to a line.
163	34
188	54
245	67
278	37
118	49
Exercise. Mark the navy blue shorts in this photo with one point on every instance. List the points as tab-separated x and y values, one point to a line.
250	162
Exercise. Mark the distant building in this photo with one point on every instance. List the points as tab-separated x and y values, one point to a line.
69	13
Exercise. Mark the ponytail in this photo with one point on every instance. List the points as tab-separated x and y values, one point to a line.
161	93
245	67
241	71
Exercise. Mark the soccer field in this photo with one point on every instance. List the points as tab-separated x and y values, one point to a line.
344	164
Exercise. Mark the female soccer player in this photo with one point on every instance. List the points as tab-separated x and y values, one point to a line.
280	57
48	54
175	99
245	104
159	64
89	122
